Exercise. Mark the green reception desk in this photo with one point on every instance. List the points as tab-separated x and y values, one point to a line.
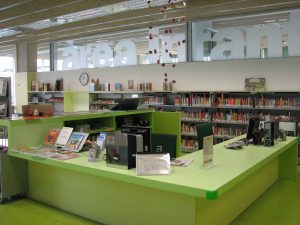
189	196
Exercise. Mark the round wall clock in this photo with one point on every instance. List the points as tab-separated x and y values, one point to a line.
84	78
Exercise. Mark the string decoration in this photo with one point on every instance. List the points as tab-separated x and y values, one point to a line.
169	31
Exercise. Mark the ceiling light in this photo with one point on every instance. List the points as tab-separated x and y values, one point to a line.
180	5
270	21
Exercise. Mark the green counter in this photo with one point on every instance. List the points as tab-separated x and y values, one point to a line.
190	195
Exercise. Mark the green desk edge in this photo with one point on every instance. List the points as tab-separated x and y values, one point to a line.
129	176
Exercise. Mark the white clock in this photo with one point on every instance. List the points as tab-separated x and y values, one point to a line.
84	79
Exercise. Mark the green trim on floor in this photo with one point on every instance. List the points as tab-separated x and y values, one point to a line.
279	205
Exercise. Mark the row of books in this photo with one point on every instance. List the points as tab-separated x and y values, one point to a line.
228	131
193	100
190	144
233	102
200	116
231	116
278	103
187	129
65	138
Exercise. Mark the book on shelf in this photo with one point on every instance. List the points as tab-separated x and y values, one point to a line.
51	137
64	136
76	141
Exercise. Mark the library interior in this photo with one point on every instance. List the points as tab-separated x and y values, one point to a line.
153	112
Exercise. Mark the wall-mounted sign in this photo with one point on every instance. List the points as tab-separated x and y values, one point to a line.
124	52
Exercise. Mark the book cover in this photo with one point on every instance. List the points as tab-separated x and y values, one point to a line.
76	141
63	136
51	136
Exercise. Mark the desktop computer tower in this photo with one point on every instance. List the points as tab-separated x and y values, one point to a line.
121	149
269	133
144	131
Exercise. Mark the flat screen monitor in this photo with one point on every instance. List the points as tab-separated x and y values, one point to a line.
253	130
129	104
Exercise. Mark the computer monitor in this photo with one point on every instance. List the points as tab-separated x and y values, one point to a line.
253	132
129	104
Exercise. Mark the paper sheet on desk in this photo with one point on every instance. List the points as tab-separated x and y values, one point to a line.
153	164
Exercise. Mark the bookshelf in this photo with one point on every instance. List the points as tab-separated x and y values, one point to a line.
229	112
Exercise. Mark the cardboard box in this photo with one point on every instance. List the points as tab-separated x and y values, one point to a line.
37	110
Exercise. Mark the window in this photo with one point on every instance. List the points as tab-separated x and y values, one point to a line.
43	57
7	66
256	36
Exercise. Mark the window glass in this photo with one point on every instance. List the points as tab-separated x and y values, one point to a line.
43	57
7	66
256	36
133	47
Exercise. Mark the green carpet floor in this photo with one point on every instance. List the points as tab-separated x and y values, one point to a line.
280	205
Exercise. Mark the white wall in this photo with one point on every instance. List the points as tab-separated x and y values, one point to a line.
282	74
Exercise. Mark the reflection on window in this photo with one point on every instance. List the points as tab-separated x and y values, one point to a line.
43	57
259	36
132	47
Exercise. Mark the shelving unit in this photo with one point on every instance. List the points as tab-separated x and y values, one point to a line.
47	97
228	111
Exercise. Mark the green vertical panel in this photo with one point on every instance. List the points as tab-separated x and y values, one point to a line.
288	163
76	101
168	123
68	102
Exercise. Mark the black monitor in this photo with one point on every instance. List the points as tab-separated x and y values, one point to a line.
253	132
129	104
